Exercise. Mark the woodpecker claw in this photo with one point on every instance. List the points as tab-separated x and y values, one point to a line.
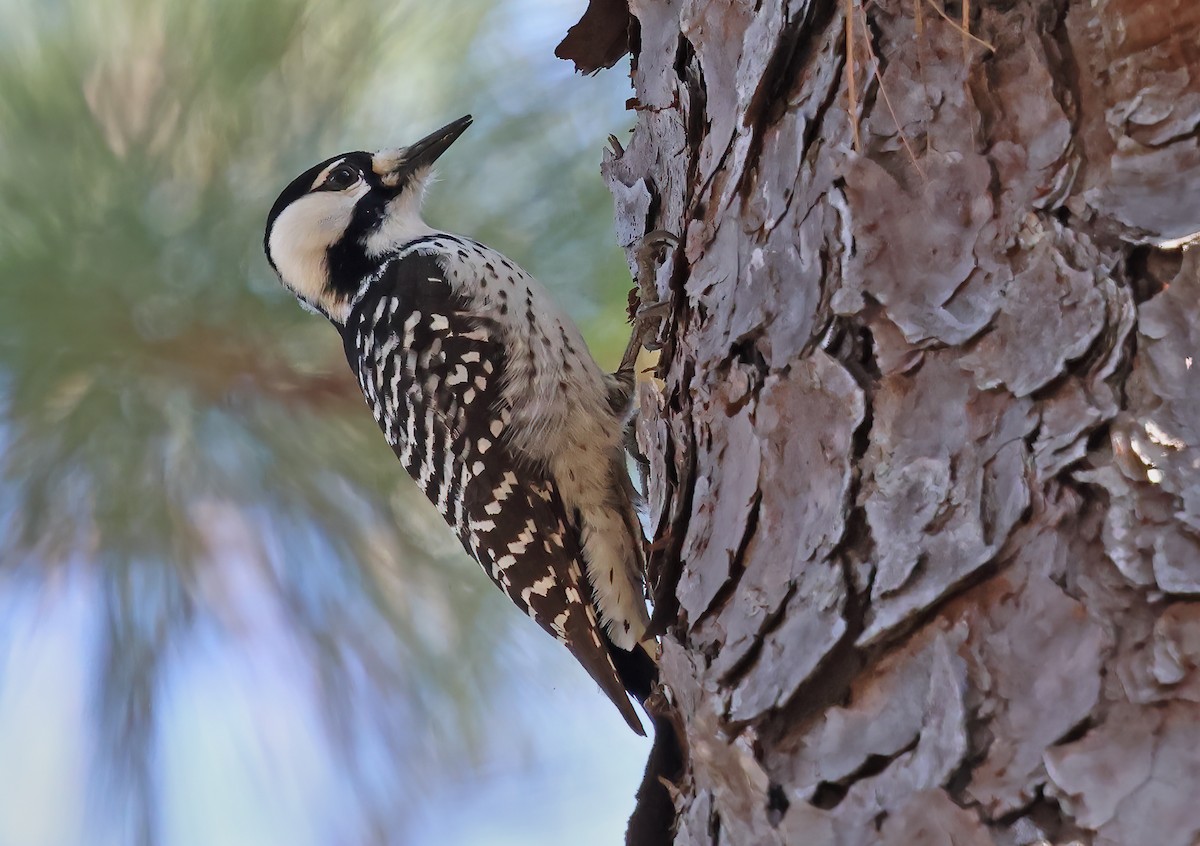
657	238
652	249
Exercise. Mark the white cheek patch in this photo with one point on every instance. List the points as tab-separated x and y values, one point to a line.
302	234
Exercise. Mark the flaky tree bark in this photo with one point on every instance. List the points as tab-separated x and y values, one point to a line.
925	450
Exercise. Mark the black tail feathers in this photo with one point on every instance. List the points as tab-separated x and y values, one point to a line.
636	669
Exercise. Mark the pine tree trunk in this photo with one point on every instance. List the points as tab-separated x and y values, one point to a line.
925	451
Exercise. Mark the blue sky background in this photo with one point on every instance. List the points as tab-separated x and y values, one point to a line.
243	758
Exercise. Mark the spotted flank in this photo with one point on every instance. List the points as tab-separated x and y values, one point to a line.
432	371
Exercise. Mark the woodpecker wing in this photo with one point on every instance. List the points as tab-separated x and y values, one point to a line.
432	372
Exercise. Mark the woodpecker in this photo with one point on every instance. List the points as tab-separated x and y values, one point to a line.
487	394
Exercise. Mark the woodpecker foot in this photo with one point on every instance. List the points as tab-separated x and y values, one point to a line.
641	480
652	250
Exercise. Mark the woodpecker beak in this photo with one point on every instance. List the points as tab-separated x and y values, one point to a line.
396	166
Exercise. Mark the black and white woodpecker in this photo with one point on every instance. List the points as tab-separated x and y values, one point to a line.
487	394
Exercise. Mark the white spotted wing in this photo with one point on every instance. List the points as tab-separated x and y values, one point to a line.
431	372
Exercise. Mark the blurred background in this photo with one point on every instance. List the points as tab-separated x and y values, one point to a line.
226	615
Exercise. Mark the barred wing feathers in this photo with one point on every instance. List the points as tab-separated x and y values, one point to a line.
432	373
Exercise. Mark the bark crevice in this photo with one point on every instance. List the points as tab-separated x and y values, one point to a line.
927	427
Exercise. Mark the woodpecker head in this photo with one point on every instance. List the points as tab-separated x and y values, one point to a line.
330	226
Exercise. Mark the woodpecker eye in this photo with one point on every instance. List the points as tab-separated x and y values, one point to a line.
341	177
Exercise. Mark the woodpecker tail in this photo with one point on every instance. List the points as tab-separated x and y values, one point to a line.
636	670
